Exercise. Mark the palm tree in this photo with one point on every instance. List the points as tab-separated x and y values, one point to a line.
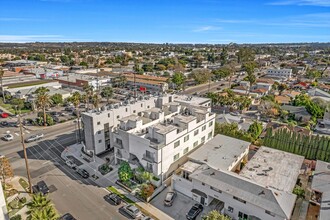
39	201
41	208
43	101
107	93
75	99
1	75
96	100
48	213
88	89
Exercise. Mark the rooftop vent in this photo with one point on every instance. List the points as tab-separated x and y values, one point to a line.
212	174
261	193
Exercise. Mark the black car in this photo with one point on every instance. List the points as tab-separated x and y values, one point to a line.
67	216
4	123
194	211
83	173
112	199
41	187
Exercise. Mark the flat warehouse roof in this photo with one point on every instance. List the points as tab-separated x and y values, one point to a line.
274	168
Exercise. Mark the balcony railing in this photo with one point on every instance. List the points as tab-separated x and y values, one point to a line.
149	158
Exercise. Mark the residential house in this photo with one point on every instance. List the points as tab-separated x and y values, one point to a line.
300	113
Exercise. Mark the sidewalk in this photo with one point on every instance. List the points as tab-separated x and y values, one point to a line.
109	179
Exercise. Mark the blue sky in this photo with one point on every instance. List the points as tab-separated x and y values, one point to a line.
161	21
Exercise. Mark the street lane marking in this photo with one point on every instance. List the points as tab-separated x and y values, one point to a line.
27	132
16	134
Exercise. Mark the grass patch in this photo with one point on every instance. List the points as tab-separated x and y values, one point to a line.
24	184
11	109
123	197
23	84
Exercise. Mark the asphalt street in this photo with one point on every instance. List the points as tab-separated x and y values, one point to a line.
69	192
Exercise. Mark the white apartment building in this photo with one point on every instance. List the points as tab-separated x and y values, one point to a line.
280	73
260	190
151	131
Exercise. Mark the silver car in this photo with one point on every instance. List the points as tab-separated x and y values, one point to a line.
34	138
132	211
8	137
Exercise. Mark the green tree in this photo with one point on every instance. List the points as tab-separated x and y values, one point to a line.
43	101
222	72
89	92
83	63
2	91
75	100
39	201
299	191
96	100
215	215
125	172
16	217
255	129
57	99
17	103
107	92
201	75
178	79
47	213
245	54
146	190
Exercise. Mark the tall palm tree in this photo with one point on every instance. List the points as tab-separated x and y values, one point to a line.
96	100
75	99
1	75
88	89
38	201
107	93
43	101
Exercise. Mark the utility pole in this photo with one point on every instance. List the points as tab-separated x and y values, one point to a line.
24	150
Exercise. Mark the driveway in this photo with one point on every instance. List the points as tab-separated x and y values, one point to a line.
181	205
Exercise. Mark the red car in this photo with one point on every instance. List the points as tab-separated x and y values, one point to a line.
4	115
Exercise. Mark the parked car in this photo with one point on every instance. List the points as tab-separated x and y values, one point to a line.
147	218
194	211
4	115
41	187
83	173
112	199
35	137
4	123
71	164
132	211
169	198
67	216
8	137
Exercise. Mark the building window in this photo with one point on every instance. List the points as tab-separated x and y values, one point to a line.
100	141
117	116
203	139
98	123
126	109
176	157
148	106
211	123
242	216
176	144
141	105
238	199
186	150
270	213
196	132
134	111
230	209
203	184
209	135
108	115
99	132
215	189
186	138
203	128
195	144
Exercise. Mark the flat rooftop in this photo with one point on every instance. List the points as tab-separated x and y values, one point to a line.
273	168
193	100
220	152
321	177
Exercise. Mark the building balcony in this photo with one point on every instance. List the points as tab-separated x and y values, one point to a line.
149	158
118	145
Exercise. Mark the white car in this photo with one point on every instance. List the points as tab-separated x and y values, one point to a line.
71	164
8	137
35	137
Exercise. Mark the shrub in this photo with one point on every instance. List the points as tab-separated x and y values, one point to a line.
16	217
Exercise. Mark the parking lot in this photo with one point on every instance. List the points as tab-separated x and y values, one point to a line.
180	207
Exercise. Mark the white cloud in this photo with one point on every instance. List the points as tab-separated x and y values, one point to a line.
322	3
206	28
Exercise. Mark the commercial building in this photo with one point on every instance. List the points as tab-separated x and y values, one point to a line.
262	189
279	73
151	131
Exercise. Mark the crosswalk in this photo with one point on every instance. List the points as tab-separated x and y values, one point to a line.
17	134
